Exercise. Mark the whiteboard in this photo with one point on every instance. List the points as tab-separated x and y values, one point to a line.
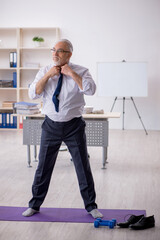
122	79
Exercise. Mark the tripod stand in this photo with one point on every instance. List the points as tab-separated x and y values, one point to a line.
131	98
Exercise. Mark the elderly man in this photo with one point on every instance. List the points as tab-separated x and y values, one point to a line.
62	86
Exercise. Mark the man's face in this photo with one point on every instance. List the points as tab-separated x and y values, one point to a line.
61	54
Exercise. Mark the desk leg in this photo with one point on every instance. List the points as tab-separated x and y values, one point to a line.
104	158
29	155
35	153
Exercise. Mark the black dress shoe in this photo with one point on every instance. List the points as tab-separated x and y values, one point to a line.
133	219
144	223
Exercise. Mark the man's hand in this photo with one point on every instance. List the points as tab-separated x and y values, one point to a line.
66	70
51	73
54	71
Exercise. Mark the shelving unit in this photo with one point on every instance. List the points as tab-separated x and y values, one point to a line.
29	59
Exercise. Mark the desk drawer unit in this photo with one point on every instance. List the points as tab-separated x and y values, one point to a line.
96	132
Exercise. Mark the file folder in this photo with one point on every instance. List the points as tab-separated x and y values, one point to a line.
4	120
11	59
0	120
14	122
15	59
14	79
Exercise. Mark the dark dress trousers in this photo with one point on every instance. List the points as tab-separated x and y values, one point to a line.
72	133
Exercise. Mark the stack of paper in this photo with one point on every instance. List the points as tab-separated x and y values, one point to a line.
6	83
8	104
26	108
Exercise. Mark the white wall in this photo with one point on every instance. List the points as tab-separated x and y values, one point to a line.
102	30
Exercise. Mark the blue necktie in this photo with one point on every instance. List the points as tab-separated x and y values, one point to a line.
57	92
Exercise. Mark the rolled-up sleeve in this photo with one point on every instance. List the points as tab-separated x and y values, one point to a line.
88	84
32	88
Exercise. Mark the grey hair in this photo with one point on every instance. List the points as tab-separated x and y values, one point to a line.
69	44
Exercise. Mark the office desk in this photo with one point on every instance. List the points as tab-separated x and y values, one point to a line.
97	132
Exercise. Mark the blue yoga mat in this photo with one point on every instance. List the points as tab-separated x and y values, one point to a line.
75	215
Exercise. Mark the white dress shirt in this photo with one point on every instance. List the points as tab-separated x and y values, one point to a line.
71	97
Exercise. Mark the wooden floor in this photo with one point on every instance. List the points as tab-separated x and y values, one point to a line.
131	181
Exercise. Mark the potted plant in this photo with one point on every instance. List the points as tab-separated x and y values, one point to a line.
38	41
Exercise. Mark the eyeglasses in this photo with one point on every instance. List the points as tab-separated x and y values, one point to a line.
53	50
